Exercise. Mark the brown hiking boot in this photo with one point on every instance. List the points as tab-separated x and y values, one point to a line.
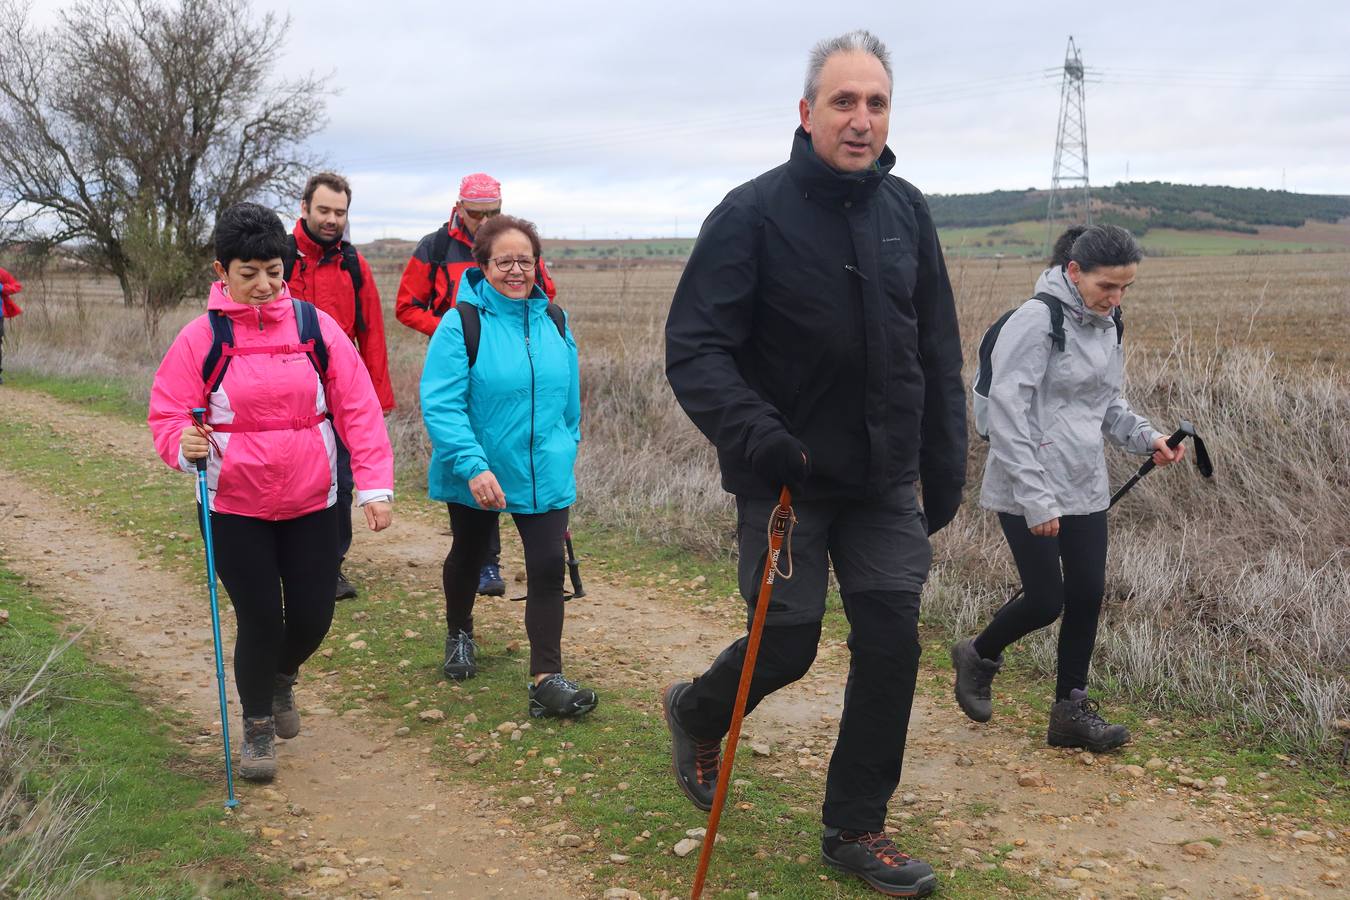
258	753
284	713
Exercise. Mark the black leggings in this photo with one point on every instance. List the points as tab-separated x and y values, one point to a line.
1076	592
542	535
281	578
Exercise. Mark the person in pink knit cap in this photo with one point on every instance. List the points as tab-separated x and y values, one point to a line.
279	381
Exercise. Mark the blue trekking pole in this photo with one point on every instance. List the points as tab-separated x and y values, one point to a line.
204	502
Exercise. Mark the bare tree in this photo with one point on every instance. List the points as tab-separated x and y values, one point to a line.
128	126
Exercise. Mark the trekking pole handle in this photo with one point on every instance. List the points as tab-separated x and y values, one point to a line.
199	416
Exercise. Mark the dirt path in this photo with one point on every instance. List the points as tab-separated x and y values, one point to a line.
1086	828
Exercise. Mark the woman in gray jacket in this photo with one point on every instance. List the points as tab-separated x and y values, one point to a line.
1049	410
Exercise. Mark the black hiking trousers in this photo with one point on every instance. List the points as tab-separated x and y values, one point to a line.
281	577
1062	574
475	530
880	553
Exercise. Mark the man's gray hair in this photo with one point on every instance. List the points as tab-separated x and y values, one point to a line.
860	41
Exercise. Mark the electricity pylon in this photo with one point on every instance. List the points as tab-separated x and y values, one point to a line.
1070	197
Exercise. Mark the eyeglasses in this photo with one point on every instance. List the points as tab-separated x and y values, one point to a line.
477	214
507	263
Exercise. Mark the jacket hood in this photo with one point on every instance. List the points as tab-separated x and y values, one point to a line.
474	288
269	312
821	182
1055	281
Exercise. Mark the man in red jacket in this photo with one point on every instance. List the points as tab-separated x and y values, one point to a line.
9	286
427	291
330	273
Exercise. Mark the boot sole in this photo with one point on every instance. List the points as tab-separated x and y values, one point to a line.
705	805
493	590
264	773
1092	746
921	888
458	676
576	713
973	715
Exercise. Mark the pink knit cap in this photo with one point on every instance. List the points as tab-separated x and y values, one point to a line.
480	188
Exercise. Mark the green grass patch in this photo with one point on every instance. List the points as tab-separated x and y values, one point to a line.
156	825
105	395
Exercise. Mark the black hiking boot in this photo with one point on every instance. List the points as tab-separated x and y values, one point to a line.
258	755
459	656
875	859
974	676
1076	723
284	714
694	761
490	581
345	590
556	696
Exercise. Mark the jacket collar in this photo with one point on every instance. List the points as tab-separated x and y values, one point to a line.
474	288
270	313
456	228
820	182
1056	282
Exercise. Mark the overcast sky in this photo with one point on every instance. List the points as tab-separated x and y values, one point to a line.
614	119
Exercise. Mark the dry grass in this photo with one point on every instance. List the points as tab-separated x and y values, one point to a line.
38	829
1232	597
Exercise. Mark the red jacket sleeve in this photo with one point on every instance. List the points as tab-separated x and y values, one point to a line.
546	281
371	342
413	290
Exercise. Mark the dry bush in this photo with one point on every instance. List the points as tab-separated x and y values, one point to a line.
1231	597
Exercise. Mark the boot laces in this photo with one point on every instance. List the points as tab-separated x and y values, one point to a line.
707	760
461	645
1089	713
984	682
260	738
882	847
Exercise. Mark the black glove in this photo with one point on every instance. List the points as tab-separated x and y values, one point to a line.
781	459
941	499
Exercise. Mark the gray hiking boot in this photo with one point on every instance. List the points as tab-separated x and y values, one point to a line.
557	696
1076	723
258	755
459	656
284	714
974	677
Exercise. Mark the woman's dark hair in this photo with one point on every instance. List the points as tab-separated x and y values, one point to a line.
494	228
1095	246
249	231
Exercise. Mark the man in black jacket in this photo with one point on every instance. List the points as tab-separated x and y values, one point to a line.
813	340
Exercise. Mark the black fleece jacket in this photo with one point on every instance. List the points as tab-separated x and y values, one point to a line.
818	302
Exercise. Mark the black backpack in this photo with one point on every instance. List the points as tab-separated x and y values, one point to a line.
222	340
440	251
984	373
473	326
351	264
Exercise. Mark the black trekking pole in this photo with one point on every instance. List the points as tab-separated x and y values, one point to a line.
573	567
204	504
1185	430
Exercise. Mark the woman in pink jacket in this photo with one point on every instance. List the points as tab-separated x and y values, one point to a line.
276	377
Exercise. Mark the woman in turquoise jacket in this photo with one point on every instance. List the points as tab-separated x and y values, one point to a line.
504	432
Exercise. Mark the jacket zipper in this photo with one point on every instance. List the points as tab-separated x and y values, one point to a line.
856	271
534	484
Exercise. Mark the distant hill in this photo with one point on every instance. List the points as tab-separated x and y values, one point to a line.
1143	205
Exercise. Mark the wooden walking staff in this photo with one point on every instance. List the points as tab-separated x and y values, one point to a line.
780	524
